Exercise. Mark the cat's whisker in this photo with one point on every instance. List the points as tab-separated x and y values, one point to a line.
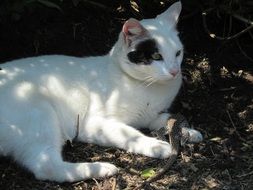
152	82
146	80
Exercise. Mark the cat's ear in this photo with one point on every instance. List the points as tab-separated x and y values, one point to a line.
171	14
132	29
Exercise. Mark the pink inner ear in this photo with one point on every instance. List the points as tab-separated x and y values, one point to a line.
132	27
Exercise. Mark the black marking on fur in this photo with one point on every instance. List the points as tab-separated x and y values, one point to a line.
142	53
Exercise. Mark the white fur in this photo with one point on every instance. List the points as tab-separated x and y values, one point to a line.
42	98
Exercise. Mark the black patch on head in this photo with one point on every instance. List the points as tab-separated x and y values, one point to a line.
142	53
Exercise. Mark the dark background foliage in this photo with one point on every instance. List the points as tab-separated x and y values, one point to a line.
216	97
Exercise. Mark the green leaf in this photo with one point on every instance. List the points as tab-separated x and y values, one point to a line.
147	173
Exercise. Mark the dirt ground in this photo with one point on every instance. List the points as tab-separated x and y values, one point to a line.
216	98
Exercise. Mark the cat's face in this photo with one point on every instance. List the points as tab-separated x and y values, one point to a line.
152	51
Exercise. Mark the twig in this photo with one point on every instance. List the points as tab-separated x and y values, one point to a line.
244	175
163	170
175	137
77	129
230	25
133	171
243	52
97	4
75	25
191	14
218	121
98	186
212	151
114	184
233	124
212	35
227	89
159	173
238	17
250	34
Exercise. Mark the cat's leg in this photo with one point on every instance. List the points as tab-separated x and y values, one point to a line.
38	144
161	121
46	163
113	133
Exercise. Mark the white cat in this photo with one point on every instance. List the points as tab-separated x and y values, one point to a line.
47	100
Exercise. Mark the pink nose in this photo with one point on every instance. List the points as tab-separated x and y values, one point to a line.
174	72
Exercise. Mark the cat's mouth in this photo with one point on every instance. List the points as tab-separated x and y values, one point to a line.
168	77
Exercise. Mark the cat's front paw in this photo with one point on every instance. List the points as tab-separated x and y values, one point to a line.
152	147
106	169
158	149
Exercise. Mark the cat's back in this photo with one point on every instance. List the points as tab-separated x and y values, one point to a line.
34	69
47	64
46	78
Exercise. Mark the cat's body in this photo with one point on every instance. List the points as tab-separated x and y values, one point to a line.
47	100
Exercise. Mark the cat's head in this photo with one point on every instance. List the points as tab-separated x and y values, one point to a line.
151	49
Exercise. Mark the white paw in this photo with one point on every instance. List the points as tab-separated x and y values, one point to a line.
194	136
158	149
106	169
151	147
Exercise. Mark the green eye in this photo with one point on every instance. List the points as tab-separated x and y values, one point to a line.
156	56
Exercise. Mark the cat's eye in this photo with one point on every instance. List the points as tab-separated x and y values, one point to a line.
137	57
156	56
178	53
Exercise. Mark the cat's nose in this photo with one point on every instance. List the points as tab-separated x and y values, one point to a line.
174	72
